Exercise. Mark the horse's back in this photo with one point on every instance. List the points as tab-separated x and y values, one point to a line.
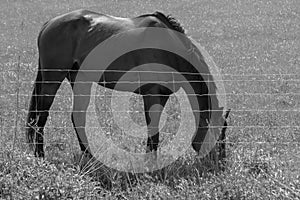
69	38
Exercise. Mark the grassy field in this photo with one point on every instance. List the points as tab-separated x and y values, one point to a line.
256	45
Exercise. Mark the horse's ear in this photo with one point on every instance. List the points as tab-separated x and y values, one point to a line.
227	113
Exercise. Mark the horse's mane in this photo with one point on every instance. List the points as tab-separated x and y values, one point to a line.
174	23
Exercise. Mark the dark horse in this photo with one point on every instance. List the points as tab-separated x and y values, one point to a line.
65	41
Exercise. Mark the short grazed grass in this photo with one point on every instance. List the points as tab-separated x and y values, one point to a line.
255	44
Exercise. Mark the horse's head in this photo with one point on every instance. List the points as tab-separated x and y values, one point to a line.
204	138
222	138
225	116
223	130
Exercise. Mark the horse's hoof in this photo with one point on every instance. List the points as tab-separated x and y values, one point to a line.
151	161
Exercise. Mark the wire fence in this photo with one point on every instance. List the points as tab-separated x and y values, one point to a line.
274	122
263	126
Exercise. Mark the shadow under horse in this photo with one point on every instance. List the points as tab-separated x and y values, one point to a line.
65	41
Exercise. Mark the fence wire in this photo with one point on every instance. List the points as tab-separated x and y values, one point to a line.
15	103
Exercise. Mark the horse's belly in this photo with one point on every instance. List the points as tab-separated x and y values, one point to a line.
134	81
139	77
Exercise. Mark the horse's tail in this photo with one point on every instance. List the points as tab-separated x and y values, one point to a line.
33	111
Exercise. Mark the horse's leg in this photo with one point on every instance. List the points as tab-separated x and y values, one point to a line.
71	76
200	103
51	80
203	118
222	143
80	104
81	94
153	106
32	113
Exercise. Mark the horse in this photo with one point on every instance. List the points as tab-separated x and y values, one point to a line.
63	44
